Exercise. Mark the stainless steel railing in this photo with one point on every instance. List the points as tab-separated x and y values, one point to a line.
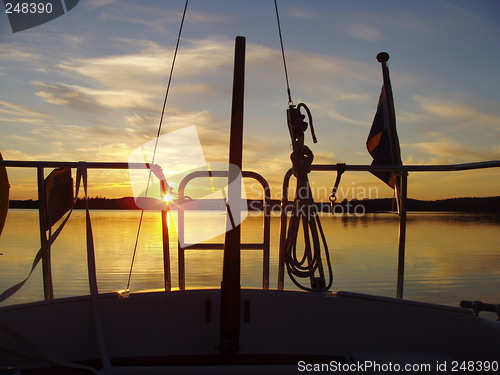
40	167
403	171
264	245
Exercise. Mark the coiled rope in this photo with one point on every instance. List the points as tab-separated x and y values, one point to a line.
307	264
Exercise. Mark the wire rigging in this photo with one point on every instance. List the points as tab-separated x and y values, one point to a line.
160	124
283	54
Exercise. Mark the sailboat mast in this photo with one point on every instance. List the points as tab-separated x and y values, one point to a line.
230	287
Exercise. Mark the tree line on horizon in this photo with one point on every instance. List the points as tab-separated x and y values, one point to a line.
463	204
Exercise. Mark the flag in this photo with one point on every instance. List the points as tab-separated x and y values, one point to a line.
382	142
58	194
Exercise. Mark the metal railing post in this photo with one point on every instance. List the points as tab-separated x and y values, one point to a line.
283	226
182	246
48	287
402	233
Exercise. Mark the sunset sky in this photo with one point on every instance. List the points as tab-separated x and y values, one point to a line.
90	84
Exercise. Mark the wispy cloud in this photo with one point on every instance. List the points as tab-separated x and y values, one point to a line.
302	13
18	109
443	150
16	154
133	79
15	53
99	3
335	115
461	111
89	99
363	32
131	70
149	65
154	18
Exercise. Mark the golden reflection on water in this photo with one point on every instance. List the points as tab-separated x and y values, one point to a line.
449	256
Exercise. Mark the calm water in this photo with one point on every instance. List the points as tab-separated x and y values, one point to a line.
449	256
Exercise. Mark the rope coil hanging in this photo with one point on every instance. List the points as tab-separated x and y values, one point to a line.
307	264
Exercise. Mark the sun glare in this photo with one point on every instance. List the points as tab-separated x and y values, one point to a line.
168	197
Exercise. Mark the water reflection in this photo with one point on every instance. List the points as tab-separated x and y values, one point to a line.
449	256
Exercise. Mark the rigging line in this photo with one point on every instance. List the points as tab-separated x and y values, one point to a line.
283	54
158	135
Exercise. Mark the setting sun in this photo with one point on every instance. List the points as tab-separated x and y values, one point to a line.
168	197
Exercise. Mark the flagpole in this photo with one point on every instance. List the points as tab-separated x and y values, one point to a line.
402	177
382	58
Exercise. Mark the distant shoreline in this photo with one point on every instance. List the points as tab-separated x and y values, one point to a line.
465	204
